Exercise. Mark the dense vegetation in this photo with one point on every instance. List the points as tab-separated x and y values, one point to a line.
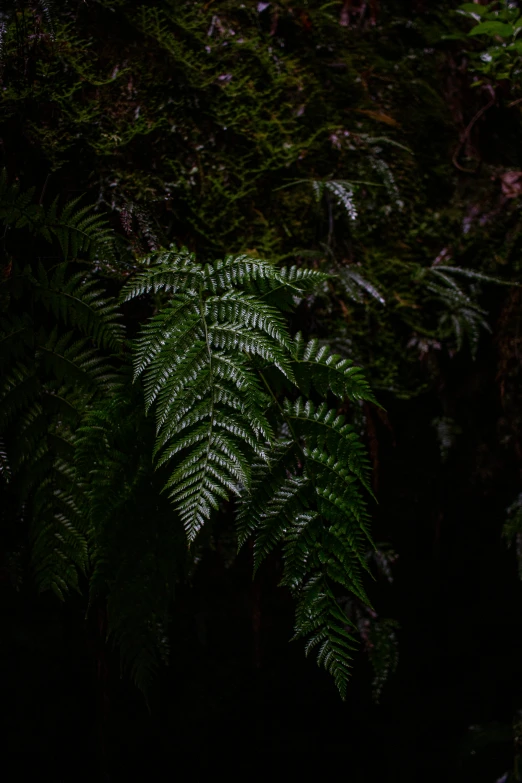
260	269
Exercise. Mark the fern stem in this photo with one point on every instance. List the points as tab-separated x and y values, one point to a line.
281	410
202	311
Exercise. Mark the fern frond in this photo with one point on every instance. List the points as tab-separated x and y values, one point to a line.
383	653
472	274
323	428
355	284
196	358
60	548
5	467
343	194
135	554
71	360
19	389
315	367
282	510
461	313
267	479
168	271
308	499
201	359
16	336
16	207
78	301
320	618
78	230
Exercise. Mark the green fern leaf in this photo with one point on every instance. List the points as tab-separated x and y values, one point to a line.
315	367
196	358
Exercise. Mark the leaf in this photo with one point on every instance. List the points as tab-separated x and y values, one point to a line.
493	28
473	9
380	117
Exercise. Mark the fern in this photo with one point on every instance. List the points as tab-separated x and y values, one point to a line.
315	367
56	322
461	316
16	207
5	467
137	557
240	407
341	191
42	401
297	469
59	547
77	230
77	300
196	358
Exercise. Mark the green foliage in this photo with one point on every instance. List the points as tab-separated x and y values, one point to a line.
256	134
196	357
240	409
55	321
384	655
222	430
137	557
285	105
460	314
502	24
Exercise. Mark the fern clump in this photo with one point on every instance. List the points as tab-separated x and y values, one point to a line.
242	410
232	394
57	332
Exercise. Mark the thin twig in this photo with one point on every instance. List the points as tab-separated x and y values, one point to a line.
42	194
465	135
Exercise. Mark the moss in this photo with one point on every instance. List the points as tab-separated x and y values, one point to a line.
201	116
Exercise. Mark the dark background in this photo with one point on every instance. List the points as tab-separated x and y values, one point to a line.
237	698
241	701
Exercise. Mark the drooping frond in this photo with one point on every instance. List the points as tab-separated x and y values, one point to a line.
78	230
136	556
315	367
57	321
471	274
42	400
59	528
196	357
320	619
308	499
383	653
202	359
5	467
356	285
343	195
78	300
461	316
85	459
17	208
317	518
73	361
